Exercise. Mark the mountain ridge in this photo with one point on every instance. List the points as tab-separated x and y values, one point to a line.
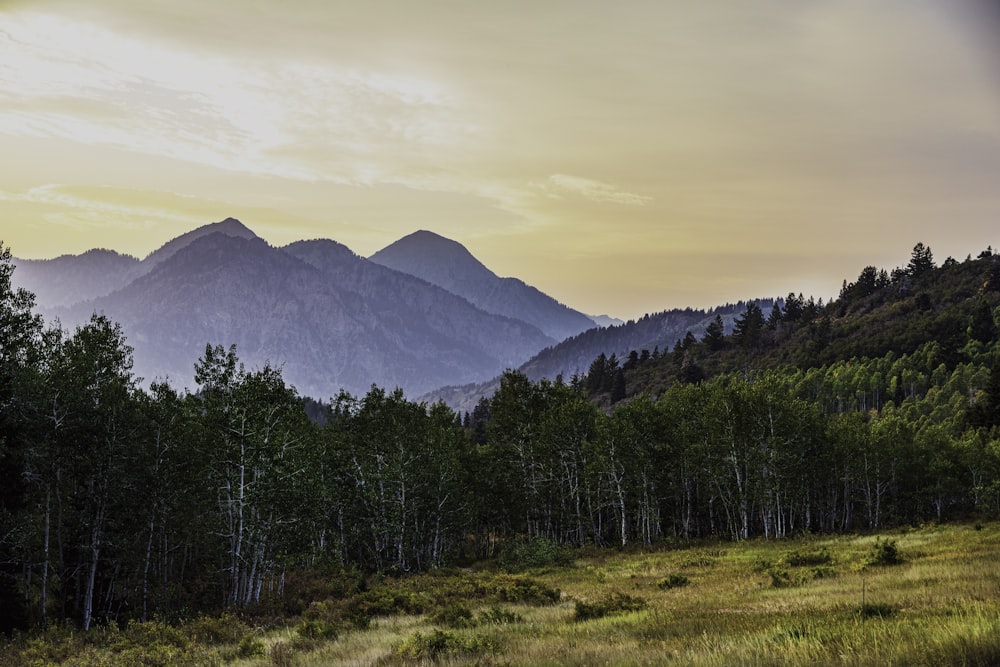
329	318
450	265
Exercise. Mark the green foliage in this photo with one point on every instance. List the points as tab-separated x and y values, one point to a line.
496	615
883	553
612	603
318	629
523	554
673	581
800	558
215	630
250	647
439	643
521	590
453	615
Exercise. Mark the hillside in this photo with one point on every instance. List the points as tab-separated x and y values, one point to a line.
954	306
648	336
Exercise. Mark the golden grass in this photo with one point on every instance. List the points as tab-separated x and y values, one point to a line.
941	606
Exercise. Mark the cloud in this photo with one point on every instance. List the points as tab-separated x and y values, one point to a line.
596	191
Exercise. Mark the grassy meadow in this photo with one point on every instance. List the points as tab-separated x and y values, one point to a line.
923	596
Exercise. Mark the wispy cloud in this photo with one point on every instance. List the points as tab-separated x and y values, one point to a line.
560	184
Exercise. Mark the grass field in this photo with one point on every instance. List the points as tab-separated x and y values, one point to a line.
927	596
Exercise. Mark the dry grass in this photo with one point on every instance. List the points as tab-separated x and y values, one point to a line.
744	604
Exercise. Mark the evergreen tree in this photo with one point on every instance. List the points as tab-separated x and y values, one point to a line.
747	328
715	334
921	261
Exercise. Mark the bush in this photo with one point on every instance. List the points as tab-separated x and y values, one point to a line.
213	630
883	553
613	603
453	615
522	554
508	588
498	616
318	629
876	610
673	581
250	647
803	558
439	643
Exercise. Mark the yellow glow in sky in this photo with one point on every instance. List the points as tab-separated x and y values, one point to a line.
624	158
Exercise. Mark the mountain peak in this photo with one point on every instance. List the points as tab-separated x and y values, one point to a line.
450	265
434	258
229	227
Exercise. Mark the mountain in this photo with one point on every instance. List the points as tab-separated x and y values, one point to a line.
329	318
655	333
71	279
450	265
228	227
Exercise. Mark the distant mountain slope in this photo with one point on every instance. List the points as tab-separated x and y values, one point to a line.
574	355
228	227
330	319
72	279
69	279
450	265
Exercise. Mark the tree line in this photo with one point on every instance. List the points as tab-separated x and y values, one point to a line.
120	501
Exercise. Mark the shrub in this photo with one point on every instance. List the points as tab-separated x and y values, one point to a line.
876	609
250	647
385	601
613	603
509	588
439	643
155	632
883	553
698	561
673	581
780	578
225	629
523	554
318	629
498	616
453	615
803	558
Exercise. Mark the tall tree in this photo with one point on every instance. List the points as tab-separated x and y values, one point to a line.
921	261
20	331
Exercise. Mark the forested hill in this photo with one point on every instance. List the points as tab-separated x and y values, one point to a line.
648	336
881	312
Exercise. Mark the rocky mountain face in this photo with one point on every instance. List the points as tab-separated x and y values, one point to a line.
330	319
450	265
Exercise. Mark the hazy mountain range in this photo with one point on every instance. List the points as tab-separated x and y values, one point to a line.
420	314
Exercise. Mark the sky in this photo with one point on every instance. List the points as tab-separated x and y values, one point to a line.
622	157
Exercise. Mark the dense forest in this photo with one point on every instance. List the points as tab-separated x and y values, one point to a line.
120	501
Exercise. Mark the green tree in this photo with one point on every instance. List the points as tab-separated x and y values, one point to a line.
748	327
715	334
20	332
921	261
